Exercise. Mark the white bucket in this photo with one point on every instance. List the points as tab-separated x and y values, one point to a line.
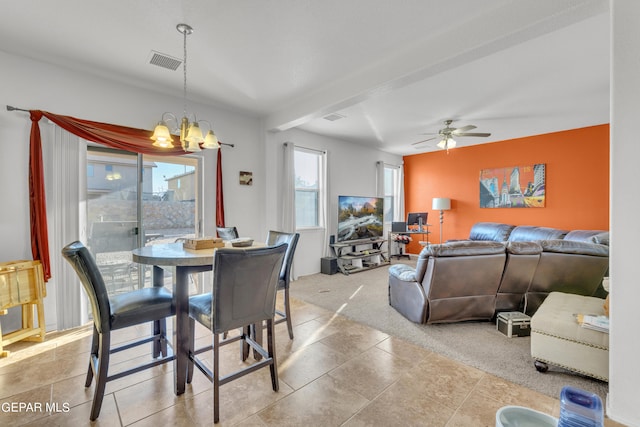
375	259
356	263
519	416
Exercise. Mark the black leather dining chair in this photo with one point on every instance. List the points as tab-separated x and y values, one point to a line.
117	312
227	233
291	239
245	283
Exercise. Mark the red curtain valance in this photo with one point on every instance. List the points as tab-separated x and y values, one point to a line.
120	137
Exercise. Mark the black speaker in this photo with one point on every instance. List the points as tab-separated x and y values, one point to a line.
329	265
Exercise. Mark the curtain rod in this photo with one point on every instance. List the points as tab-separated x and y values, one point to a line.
307	148
11	108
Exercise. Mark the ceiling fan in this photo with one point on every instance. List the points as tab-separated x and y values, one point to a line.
447	133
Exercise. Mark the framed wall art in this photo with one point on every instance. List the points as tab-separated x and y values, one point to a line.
246	178
513	187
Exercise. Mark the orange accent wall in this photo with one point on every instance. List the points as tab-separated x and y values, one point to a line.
577	182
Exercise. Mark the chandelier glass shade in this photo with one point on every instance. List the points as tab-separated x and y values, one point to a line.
190	132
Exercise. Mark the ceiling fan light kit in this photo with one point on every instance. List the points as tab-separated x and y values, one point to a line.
447	133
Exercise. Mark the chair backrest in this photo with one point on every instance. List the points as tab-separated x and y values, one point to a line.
462	279
522	261
532	233
227	233
245	283
567	266
495	231
291	239
85	266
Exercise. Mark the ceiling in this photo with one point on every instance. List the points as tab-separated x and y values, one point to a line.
392	69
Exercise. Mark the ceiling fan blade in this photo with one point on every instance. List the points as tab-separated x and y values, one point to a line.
473	134
463	129
424	140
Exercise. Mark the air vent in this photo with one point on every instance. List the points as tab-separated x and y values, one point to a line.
333	117
164	61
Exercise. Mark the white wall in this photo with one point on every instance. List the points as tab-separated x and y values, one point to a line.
351	170
624	345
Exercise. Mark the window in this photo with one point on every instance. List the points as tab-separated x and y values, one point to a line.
308	187
389	184
388	193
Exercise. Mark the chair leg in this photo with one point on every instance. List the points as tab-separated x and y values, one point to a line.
216	378
271	348
163	337
160	334
101	374
244	347
287	311
192	338
93	354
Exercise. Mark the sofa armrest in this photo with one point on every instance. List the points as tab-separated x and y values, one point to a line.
524	248
403	272
464	248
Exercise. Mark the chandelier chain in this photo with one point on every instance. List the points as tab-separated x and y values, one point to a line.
184	69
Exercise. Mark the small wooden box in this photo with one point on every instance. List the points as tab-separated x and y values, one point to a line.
22	284
203	243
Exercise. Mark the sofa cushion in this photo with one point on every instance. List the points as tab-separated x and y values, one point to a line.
528	233
490	231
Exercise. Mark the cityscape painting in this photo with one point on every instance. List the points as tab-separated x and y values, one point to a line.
513	187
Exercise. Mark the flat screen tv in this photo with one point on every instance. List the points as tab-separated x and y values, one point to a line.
359	218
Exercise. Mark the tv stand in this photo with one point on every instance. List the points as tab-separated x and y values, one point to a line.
359	255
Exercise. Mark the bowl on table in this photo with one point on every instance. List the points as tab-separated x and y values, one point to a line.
241	242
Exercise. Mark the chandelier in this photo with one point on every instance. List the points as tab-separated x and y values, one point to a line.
190	133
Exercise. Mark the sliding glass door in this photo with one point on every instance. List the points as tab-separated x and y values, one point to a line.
135	200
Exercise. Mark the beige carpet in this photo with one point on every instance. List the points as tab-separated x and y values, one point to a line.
363	297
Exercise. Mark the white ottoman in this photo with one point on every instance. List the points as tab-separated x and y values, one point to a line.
558	339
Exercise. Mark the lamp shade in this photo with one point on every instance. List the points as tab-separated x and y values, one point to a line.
441	204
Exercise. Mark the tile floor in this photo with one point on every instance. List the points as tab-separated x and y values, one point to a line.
335	372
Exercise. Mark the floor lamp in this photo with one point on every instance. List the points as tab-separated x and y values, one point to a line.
441	204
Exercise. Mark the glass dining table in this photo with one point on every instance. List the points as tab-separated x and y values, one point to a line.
186	262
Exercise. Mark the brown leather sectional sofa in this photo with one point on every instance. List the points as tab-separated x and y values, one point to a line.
499	268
